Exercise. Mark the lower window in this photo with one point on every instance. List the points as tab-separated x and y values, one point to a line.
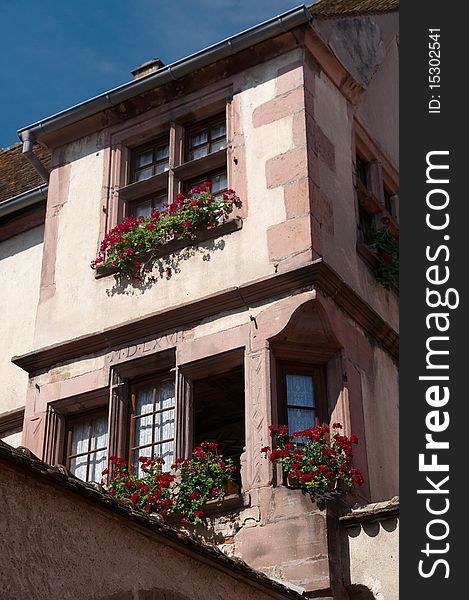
152	421
87	445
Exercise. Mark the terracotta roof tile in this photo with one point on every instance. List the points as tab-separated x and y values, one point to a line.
352	7
17	175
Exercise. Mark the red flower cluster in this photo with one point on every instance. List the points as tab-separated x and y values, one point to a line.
192	482
152	492
315	459
141	237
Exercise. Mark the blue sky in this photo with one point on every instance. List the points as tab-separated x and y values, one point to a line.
56	53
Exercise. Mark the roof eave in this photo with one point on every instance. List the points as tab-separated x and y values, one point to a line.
174	71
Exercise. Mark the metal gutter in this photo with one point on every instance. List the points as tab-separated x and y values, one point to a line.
23	200
172	72
28	151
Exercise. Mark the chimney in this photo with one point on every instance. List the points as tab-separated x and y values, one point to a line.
149	67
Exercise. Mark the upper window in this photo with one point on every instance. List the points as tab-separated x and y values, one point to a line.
151	159
374	197
206	138
174	163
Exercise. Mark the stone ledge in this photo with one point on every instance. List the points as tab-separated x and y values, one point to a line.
372	512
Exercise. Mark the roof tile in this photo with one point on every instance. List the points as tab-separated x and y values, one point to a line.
352	7
17	175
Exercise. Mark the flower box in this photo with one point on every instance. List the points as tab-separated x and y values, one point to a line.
203	235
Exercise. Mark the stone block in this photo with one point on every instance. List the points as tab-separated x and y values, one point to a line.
297	198
312	574
278	108
288	238
289	77
294	539
286	167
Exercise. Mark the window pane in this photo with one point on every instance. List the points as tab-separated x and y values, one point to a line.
143	430
199	138
218	145
202	151
80	436
143	209
219	182
218	130
299	419
144	400
145	158
166	452
164	395
99	433
164	425
162	152
144	174
97	465
162	167
158	202
78	466
300	391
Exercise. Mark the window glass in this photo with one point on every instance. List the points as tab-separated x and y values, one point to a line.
211	138
219	183
301	405
145	207
88	448
143	174
153	429
152	160
144	158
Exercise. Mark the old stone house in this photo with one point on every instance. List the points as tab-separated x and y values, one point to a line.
299	116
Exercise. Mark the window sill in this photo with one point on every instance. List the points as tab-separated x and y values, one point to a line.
199	166
178	244
144	187
367	255
370	258
229	504
213	508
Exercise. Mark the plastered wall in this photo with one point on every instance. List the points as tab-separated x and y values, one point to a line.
20	269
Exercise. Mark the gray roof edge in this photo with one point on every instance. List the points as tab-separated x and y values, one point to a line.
23	200
227	47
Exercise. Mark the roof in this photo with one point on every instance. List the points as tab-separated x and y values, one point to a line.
17	175
352	7
23	459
